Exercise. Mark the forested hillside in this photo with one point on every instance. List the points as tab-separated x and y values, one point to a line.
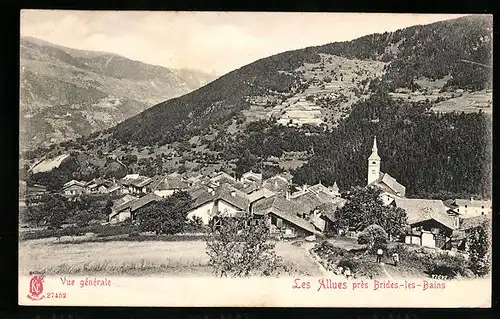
433	154
432	51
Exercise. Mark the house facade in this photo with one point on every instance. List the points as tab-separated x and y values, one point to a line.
136	184
73	188
128	209
282	217
166	186
224	201
429	223
472	207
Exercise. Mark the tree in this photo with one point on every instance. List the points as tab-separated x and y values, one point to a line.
56	208
364	207
373	237
479	242
166	216
238	248
33	214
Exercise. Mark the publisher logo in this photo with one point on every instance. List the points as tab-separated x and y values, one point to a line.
36	288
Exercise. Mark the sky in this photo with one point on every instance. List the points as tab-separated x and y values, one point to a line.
213	42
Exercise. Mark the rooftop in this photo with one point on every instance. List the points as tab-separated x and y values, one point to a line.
391	183
419	210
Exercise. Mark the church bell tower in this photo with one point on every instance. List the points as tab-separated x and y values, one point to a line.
373	164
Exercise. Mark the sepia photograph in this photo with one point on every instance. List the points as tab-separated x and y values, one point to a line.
255	159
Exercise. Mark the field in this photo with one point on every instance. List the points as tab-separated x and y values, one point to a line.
467	102
145	258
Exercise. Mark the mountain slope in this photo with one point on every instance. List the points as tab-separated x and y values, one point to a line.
66	93
432	51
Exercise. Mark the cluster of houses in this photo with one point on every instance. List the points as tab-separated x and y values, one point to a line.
431	223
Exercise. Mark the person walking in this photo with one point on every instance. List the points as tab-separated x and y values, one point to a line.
395	258
348	273
379	255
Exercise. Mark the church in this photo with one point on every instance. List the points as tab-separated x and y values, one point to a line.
391	188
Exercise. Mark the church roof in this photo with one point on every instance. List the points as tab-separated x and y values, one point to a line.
391	183
374	155
335	187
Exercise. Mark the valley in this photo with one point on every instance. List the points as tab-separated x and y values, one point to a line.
67	93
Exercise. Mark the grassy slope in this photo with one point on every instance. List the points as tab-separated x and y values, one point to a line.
180	258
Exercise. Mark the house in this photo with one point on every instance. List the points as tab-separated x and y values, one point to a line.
429	223
113	190
193	178
282	217
472	207
128	210
136	184
74	187
248	187
309	202
224	201
92	186
166	186
251	177
222	177
391	188
31	191
99	186
260	194
327	214
277	184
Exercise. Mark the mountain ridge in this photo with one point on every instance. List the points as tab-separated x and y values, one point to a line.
56	81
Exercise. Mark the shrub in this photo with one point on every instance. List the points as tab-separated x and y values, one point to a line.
239	250
430	261
447	265
374	237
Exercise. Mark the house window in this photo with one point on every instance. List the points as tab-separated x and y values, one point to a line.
374	163
217	223
482	207
273	220
373	171
465	206
279	222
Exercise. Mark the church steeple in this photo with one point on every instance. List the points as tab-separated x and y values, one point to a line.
374	154
373	163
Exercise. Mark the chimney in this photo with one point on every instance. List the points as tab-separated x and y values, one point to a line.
212	192
472	199
287	195
233	193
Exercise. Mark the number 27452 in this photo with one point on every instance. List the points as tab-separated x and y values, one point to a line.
56	295
443	277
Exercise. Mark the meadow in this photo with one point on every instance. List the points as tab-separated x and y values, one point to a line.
138	258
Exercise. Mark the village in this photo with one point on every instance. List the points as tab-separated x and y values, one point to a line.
431	223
